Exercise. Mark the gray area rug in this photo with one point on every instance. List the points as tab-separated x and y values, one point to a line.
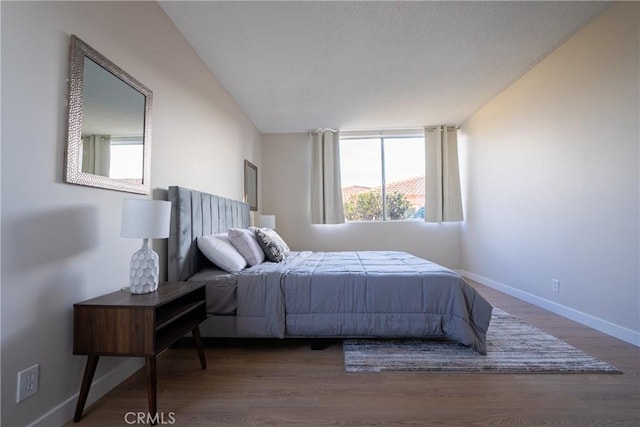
513	346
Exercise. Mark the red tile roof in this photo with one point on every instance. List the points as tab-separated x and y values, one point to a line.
409	187
352	191
412	188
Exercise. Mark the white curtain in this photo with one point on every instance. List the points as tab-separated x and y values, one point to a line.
326	189
96	154
443	198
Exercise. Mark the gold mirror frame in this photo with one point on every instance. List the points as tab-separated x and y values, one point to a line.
251	185
73	162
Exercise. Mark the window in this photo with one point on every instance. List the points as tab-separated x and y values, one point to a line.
389	168
126	159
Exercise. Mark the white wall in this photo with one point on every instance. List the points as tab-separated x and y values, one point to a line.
551	180
60	242
286	160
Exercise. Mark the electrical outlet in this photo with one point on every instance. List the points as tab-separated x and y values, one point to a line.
555	285
27	382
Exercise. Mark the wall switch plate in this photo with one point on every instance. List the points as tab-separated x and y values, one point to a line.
27	382
555	285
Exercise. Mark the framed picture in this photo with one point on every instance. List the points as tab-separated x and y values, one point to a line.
251	185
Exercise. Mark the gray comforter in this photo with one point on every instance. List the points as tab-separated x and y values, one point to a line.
360	294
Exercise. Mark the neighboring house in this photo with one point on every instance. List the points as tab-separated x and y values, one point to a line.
352	191
412	188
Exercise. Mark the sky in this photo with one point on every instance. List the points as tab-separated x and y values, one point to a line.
360	160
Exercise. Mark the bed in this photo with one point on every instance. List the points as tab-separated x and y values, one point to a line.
319	294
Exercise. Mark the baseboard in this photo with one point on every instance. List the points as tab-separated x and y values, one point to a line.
617	331
63	413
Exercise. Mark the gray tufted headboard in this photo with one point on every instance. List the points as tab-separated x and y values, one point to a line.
194	214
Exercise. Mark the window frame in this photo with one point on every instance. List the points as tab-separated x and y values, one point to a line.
382	135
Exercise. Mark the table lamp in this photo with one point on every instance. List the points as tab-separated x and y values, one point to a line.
267	221
145	219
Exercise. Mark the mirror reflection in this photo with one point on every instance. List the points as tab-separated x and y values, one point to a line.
112	126
109	133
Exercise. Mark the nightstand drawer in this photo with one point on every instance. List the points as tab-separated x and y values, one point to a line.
113	331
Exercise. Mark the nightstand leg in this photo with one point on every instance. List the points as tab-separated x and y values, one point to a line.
198	342
152	386
89	371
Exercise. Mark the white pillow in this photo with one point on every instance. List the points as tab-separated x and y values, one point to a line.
218	249
246	243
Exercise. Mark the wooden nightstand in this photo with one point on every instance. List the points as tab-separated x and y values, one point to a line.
123	324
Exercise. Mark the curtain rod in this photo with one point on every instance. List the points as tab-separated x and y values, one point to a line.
456	127
323	130
383	131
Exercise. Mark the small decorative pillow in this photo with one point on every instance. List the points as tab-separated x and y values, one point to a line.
218	249
272	244
246	243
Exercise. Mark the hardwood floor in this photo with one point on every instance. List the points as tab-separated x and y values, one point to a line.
284	383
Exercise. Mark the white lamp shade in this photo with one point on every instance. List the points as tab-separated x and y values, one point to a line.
267	221
145	219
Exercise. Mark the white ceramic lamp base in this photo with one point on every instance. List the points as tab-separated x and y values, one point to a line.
145	270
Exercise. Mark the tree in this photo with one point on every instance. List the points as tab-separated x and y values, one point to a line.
367	206
397	205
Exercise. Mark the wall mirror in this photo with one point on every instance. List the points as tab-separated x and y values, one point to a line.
109	133
251	185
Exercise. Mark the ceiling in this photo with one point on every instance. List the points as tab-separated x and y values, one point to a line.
298	66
